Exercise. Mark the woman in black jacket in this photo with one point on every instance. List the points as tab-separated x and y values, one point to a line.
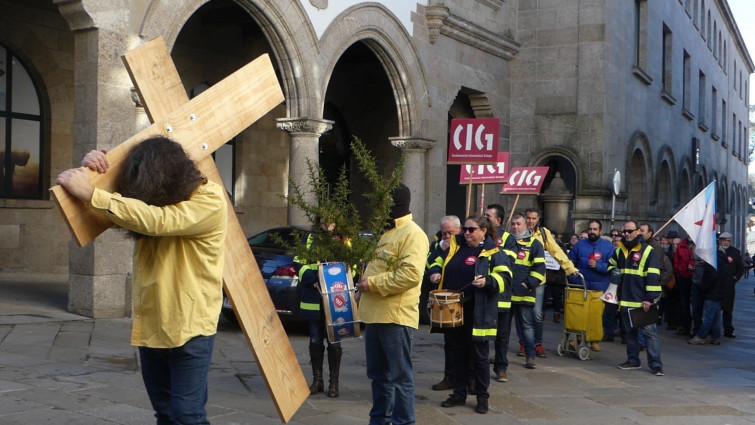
478	267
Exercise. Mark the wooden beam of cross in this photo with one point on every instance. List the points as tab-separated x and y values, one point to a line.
202	125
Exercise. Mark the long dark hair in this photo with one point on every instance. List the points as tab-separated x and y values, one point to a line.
484	223
158	172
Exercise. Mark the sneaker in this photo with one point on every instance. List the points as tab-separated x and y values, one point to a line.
696	340
521	350
540	352
682	331
454	400
594	346
444	384
657	371
730	335
530	364
627	366
715	341
501	376
482	406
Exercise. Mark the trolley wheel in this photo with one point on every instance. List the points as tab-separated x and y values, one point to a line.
584	353
560	350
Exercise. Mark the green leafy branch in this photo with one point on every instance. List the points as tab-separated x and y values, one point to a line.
352	241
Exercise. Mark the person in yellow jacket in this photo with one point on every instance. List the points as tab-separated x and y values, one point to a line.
178	218
389	307
532	218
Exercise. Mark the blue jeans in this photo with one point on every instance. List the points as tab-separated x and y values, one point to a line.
317	332
537	321
653	345
176	380
539	300
388	349
525	319
711	320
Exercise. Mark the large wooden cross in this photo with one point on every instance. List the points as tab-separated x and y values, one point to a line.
202	125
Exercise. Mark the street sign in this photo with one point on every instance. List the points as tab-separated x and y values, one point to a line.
525	180
490	173
473	141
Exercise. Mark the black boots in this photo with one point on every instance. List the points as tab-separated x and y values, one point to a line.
334	364
316	352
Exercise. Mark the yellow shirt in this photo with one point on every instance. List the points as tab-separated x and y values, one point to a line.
394	295
178	267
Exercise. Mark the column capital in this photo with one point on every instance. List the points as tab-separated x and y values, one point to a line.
412	143
315	127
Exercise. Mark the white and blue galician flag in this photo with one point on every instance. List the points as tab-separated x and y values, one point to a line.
698	218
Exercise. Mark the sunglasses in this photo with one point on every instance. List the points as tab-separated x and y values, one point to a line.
627	231
469	229
616	235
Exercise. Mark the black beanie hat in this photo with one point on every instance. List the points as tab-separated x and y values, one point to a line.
401	199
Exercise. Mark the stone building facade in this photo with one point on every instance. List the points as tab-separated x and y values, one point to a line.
663	101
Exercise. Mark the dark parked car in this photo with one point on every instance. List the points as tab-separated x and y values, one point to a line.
276	264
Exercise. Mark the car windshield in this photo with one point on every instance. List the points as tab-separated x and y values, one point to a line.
266	239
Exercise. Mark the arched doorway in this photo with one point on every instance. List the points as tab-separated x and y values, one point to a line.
359	99
456	194
555	217
637	187
665	193
216	40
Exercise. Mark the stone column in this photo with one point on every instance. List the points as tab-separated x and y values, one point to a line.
414	173
305	137
556	203
99	273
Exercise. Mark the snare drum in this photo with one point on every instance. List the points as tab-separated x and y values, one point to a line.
446	309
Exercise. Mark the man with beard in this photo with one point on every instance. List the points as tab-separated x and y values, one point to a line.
639	289
591	258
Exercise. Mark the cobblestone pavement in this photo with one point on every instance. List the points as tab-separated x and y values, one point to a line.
60	368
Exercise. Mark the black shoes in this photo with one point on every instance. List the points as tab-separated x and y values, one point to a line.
627	365
658	371
443	385
455	400
482	406
730	335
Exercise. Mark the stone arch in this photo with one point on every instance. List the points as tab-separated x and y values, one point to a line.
723	201
664	194
684	188
639	179
560	160
736	213
386	37
557	211
282	29
700	180
456	198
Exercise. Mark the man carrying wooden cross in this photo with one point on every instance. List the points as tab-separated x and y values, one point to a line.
178	218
